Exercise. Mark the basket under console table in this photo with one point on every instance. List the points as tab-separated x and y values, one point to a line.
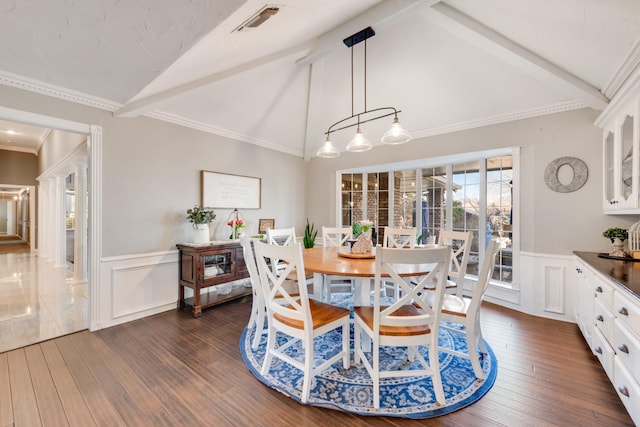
218	264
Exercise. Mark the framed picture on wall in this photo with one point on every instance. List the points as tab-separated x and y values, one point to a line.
227	191
265	224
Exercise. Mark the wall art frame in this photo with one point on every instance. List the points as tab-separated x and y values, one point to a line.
228	191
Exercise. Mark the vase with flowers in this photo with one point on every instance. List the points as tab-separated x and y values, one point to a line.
362	231
200	217
237	224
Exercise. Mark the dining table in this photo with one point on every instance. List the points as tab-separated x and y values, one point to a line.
325	261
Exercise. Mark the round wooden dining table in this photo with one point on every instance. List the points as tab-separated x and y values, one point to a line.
327	261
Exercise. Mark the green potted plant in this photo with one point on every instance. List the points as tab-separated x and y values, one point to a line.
617	236
200	217
613	233
310	233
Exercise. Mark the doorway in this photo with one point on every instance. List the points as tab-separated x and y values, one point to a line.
49	235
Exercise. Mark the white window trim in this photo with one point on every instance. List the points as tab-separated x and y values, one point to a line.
431	162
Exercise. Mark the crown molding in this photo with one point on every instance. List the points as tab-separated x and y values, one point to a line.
182	121
20	149
59	92
42	88
624	70
628	92
501	118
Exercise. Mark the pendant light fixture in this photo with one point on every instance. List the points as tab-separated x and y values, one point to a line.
395	135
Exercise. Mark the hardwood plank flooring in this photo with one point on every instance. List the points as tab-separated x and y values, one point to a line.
173	370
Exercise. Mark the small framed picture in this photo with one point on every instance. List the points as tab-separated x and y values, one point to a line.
265	224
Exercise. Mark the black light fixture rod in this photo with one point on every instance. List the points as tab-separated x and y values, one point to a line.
365	74
351	49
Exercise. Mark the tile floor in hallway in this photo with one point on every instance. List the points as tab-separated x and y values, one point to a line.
38	302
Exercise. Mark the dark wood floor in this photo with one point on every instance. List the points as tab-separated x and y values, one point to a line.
173	370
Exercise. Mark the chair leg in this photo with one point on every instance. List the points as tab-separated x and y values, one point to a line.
308	370
271	342
436	379
346	357
479	337
260	318
375	376
356	343
472	347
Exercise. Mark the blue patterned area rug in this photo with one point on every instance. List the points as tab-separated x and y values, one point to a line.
351	390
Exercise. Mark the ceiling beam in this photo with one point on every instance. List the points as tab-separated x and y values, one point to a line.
145	105
516	55
378	16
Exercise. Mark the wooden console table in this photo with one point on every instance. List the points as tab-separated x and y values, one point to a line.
220	264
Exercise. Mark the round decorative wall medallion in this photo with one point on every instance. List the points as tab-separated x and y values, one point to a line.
580	174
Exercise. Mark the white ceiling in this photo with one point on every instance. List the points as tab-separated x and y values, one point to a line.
447	65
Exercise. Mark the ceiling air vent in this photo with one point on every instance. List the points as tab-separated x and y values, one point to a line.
258	18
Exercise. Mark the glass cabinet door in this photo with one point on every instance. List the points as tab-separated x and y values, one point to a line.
621	168
609	171
626	162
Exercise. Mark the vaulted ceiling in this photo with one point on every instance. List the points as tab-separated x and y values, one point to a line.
448	65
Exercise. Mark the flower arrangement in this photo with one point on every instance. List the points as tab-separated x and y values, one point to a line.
236	225
200	215
612	233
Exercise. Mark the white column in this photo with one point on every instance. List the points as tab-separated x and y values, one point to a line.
43	238
80	231
59	227
11	217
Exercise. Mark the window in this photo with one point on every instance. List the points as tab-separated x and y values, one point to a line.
473	195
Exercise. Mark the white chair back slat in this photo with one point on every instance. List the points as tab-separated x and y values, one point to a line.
336	236
399	237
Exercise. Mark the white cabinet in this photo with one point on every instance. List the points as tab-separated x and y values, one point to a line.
583	304
613	333
621	164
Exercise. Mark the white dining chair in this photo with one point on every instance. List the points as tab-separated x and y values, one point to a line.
258	308
297	316
281	236
398	238
408	322
465	311
335	237
460	242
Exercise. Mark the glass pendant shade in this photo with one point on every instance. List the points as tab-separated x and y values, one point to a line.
396	134
359	143
328	150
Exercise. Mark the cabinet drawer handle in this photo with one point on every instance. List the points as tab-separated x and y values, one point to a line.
598	350
599	318
599	289
623	311
623	390
623	348
579	270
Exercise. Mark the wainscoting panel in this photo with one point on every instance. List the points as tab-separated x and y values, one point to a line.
554	285
547	285
137	286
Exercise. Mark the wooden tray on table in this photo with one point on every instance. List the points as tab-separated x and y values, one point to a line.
345	252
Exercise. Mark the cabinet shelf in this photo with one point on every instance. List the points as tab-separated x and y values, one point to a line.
204	266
